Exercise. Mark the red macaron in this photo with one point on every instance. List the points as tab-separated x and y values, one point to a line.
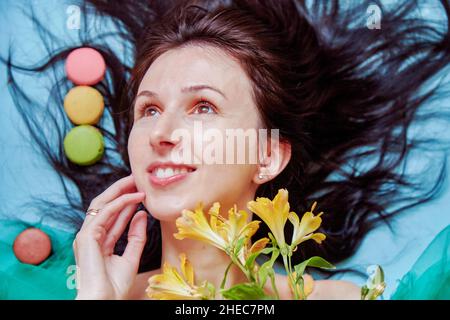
32	246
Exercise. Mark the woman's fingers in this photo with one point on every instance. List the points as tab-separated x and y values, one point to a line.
121	186
92	235
137	236
112	220
88	256
117	228
116	206
112	209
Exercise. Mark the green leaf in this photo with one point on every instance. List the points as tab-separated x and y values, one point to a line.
263	273
316	262
251	259
376	274
267	250
301	283
364	292
267	267
272	238
245	291
239	245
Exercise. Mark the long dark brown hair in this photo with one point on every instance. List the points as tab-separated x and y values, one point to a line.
342	94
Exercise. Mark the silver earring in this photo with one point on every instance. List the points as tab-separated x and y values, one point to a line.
260	176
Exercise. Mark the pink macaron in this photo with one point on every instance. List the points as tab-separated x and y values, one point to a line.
85	66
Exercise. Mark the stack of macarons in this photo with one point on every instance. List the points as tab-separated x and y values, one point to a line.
84	105
83	144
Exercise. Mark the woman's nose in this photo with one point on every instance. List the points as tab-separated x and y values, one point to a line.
162	138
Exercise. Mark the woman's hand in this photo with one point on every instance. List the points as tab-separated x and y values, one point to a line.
101	274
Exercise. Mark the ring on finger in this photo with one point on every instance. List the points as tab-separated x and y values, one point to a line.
92	212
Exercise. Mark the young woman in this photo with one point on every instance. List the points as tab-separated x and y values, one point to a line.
221	99
342	96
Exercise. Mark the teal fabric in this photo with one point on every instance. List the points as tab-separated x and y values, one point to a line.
52	279
429	278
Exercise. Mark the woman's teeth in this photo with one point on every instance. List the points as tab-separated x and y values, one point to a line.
169	172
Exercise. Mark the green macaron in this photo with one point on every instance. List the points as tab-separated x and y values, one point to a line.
84	145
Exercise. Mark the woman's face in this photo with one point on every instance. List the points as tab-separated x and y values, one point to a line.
191	90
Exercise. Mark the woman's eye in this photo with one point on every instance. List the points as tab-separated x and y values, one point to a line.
150	112
204	108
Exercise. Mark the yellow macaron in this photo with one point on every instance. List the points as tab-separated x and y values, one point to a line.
84	105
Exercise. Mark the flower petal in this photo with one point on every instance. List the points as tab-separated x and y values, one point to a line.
194	225
259	245
318	237
186	269
273	213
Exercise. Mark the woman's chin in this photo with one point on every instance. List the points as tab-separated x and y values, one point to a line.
165	211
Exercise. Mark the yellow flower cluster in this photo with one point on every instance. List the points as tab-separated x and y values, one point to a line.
232	235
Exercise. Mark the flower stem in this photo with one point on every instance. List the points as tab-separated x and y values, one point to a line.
243	269
222	285
299	294
288	268
272	279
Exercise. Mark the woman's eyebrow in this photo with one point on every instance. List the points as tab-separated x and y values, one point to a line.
147	93
193	88
199	87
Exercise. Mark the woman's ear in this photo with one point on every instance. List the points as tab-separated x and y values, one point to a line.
279	155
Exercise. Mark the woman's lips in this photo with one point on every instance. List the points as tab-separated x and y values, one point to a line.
162	174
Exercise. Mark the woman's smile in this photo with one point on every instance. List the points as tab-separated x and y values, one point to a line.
164	173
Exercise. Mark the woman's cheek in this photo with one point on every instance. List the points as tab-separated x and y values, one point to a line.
135	144
131	144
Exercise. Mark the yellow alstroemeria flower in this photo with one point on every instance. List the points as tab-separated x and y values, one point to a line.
274	213
171	285
194	225
220	232
237	225
304	229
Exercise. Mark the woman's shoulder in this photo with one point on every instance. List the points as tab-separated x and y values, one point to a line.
335	290
321	289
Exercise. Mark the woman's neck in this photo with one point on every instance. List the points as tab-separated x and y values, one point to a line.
209	263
